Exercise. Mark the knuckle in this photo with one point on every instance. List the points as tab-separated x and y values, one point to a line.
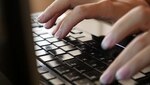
143	11
81	9
141	41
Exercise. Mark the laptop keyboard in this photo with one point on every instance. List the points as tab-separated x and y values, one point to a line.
77	59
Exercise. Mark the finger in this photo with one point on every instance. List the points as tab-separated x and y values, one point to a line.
140	61
131	50
57	27
56	7
127	25
82	12
52	21
74	17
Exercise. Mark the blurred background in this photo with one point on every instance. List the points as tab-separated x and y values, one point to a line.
39	5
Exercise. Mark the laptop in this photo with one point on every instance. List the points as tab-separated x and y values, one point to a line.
30	55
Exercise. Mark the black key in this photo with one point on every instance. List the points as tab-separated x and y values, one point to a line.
83	57
82	68
83	82
144	80
101	68
92	75
93	63
73	62
73	75
63	69
54	63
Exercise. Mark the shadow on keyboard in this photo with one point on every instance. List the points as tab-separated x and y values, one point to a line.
77	59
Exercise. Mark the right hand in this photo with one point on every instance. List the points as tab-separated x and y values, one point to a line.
107	10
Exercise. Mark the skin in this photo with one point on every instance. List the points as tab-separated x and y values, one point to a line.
109	11
136	55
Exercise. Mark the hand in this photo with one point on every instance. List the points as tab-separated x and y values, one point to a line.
108	10
136	55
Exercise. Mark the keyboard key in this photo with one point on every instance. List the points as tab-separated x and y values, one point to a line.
63	69
38	39
73	62
92	75
48	76
76	31
49	47
65	57
144	80
42	43
42	69
93	63
54	63
61	43
101	68
68	48
56	81
39	63
127	82
83	82
52	40
46	58
82	68
72	75
75	52
57	52
138	75
45	36
36	47
146	70
41	52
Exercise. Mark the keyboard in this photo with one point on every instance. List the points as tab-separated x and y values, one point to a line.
77	59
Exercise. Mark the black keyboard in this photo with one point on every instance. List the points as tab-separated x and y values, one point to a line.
77	59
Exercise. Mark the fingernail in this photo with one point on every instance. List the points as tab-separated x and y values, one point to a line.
46	26
107	42
123	74
106	78
40	18
58	34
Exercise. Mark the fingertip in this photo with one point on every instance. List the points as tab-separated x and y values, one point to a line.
106	78
123	73
107	43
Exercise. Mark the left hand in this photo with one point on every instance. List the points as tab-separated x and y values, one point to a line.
136	55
